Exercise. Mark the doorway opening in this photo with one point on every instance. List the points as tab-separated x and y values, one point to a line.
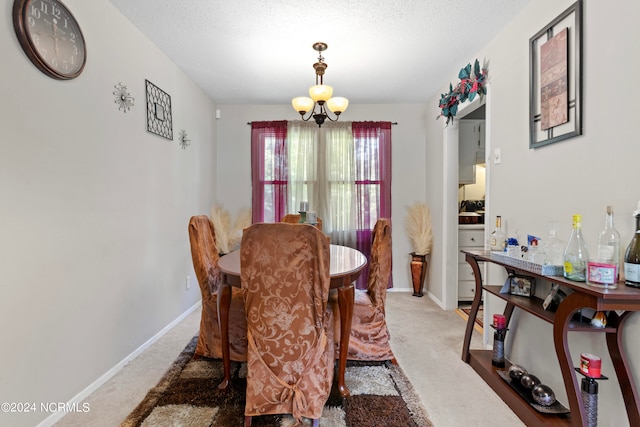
465	179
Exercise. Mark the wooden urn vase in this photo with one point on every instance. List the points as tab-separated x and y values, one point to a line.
419	264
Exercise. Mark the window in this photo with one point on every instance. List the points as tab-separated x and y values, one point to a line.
269	170
343	170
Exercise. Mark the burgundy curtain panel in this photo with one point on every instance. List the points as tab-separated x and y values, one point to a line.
372	143
269	176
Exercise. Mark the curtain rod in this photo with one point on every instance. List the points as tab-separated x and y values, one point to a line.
393	123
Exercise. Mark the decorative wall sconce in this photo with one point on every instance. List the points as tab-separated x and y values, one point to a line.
184	142
123	98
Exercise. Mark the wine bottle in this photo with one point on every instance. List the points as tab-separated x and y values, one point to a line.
498	239
632	256
575	255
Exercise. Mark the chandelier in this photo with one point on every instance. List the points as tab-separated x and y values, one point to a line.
320	95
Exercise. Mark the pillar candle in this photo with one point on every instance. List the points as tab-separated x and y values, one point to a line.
590	365
304	206
499	321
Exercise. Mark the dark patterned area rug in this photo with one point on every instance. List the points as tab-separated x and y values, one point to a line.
187	395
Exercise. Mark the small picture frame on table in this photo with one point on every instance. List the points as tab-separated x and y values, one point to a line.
520	285
554	298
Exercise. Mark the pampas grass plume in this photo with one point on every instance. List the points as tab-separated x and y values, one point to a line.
228	235
418	226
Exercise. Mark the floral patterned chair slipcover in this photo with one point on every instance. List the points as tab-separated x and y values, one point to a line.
290	359
205	259
369	339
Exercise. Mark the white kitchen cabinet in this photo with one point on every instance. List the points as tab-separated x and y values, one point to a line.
466	153
470	237
471	149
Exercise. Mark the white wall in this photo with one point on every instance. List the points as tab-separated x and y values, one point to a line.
409	178
93	209
579	175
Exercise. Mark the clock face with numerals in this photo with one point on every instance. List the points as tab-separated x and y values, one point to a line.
50	36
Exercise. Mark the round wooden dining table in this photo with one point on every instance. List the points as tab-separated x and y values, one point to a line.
345	267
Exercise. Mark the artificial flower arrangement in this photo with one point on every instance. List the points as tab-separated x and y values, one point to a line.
470	85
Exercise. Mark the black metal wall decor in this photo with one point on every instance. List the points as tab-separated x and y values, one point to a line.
555	79
159	120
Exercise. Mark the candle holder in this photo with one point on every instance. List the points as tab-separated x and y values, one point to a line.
303	217
589	387
497	358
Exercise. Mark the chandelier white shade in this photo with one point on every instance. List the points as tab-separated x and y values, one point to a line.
320	95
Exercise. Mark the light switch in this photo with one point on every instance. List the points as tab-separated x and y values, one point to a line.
497	157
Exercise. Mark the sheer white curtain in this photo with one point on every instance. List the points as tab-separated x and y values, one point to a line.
337	192
303	166
322	172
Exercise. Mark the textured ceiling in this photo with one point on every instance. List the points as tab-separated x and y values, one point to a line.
380	51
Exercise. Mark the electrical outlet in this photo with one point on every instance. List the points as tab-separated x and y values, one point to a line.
497	157
188	282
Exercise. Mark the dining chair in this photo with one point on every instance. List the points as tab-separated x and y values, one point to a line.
369	339
204	254
284	271
295	219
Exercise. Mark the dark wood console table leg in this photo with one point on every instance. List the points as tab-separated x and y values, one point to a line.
565	312
475	305
625	376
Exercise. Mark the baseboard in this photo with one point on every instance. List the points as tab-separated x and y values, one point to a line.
77	400
398	290
438	302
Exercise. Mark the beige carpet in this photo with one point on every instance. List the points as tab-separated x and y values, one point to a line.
187	395
426	340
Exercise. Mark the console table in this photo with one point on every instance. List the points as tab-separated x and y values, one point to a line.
583	296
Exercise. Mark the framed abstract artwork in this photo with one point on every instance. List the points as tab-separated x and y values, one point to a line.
555	79
159	120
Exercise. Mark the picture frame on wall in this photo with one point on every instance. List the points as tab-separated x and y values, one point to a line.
555	79
159	119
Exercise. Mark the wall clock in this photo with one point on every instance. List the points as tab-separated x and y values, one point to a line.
50	36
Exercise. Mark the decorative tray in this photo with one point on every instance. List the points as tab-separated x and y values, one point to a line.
555	408
546	270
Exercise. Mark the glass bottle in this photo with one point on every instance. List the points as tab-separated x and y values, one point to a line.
575	255
553	246
498	239
632	256
606	270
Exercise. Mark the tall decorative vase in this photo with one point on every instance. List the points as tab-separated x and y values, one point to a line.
419	266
